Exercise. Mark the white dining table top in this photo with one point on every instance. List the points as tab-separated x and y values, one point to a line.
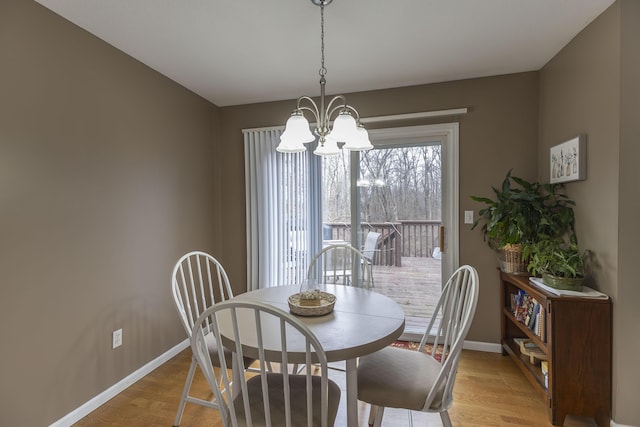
361	322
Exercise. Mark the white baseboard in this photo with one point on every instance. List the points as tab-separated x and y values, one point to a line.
613	424
84	410
468	345
482	346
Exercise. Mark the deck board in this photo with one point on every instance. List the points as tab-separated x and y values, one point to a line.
415	286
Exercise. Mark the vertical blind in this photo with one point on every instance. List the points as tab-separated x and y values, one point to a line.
282	209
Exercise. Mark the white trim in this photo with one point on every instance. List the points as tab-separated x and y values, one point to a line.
88	407
264	129
403	135
446	134
420	115
376	119
487	347
613	424
451	193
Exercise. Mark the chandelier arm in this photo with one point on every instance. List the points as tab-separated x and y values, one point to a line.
344	107
349	107
311	110
331	109
314	110
333	101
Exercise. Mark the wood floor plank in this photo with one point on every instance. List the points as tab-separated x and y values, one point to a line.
489	391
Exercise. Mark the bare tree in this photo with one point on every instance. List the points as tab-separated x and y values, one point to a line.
402	184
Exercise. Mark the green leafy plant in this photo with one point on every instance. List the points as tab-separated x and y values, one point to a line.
555	257
524	212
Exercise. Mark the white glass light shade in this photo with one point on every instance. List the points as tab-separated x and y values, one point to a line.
297	128
288	145
344	127
329	147
361	142
296	132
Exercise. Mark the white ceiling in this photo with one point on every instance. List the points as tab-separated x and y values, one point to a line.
235	52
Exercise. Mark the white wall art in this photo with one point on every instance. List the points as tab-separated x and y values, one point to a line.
569	160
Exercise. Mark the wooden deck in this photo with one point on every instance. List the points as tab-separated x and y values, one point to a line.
415	286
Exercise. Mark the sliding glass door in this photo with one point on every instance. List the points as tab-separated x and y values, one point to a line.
397	193
403	192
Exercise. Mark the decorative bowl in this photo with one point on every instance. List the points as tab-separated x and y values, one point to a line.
320	305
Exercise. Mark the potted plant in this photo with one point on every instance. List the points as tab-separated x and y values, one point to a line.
512	217
560	263
523	212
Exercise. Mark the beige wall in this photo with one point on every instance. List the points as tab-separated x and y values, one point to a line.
580	93
107	175
592	87
627	373
498	133
109	172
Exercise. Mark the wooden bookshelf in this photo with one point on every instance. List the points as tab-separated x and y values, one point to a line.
577	343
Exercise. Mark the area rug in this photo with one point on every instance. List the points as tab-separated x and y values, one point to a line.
410	345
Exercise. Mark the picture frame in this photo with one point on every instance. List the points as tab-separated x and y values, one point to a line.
568	161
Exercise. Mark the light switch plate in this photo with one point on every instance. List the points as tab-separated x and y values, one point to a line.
117	338
468	217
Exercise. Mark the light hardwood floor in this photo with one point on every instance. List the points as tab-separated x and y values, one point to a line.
489	391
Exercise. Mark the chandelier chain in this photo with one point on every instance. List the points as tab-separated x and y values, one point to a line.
323	70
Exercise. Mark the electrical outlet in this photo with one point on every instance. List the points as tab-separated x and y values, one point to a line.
468	217
117	338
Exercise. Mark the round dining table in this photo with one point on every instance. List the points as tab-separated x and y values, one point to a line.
361	323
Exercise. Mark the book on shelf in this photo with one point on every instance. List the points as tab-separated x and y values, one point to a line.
533	317
529	349
540	329
528	311
522	306
544	367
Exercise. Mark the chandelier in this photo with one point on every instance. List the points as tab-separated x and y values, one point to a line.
346	129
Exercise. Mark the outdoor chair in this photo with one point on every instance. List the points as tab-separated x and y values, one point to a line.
334	264
371	245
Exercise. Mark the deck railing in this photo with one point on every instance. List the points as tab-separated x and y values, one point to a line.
403	238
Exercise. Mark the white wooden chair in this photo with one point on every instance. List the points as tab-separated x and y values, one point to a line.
415	380
256	329
335	263
198	281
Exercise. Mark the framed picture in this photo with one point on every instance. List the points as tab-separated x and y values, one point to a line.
569	160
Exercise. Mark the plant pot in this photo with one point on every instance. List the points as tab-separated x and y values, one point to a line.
510	260
564	283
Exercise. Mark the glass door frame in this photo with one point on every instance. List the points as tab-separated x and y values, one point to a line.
447	134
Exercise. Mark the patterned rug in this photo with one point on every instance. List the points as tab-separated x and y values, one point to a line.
410	345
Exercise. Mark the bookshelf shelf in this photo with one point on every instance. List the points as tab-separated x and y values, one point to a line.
533	375
575	336
524	330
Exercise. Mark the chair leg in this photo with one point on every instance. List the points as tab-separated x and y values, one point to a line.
379	413
185	391
372	414
446	421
